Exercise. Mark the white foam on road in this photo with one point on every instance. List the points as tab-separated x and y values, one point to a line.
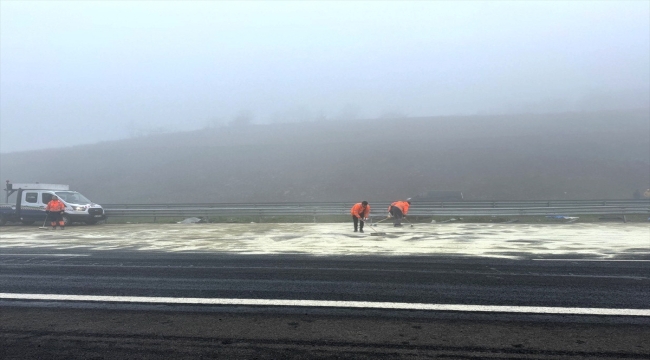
53	255
599	241
332	304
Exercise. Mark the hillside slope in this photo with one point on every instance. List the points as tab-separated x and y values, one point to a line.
558	156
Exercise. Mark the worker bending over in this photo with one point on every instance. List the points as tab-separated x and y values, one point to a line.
54	210
360	212
398	210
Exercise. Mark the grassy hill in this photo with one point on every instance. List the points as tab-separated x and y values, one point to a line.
556	156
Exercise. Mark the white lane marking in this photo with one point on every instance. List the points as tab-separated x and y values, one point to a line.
333	304
44	255
603	260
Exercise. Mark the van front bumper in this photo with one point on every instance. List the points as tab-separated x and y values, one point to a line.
96	214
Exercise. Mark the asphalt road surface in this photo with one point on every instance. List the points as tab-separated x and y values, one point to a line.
77	294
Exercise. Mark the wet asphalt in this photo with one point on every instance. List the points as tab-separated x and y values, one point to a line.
52	329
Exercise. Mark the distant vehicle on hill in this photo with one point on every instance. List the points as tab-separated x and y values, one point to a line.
31	200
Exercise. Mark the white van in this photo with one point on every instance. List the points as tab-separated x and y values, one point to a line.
31	200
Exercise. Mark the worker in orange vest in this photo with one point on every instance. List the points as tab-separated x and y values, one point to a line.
360	212
54	210
398	210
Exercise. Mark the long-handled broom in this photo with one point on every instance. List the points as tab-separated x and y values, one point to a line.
376	233
44	221
382	220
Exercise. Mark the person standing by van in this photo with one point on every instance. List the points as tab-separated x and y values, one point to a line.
360	212
54	210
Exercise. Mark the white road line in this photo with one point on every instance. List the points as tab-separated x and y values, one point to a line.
603	260
44	255
332	304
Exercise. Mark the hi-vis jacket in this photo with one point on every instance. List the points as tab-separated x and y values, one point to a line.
55	206
402	205
359	211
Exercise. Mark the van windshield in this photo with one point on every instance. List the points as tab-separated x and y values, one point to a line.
72	197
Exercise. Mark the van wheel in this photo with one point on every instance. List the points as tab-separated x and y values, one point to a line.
27	222
91	221
66	220
3	221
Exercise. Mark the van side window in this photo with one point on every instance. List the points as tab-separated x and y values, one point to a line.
31	197
47	197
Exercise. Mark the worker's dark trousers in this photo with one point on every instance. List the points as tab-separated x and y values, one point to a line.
397	215
357	221
55	218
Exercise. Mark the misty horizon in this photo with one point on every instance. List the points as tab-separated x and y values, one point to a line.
311	126
600	155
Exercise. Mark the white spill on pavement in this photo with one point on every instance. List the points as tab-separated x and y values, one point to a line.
600	241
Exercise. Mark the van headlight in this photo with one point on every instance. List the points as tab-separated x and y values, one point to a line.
79	208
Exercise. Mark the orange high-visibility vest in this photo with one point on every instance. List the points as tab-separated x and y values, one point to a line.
55	205
402	205
359	211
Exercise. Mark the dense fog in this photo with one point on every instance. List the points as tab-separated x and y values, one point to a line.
599	155
82	72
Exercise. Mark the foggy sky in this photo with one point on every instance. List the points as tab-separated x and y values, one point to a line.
81	72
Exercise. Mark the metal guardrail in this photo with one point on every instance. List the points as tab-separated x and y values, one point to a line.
476	208
449	204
